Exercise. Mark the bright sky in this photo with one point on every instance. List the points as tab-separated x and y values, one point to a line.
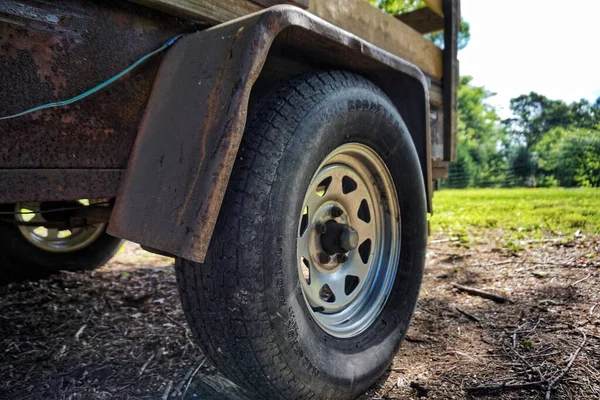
519	46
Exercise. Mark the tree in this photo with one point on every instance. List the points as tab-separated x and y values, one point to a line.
480	134
535	115
461	171
572	156
523	165
585	114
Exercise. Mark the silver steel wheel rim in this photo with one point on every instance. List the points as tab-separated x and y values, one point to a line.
351	178
51	239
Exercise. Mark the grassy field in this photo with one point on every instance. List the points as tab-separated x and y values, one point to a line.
516	213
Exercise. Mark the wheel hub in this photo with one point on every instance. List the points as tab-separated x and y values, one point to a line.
54	240
338	238
348	240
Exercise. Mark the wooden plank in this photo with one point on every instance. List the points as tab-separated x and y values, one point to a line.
451	76
355	16
382	30
423	20
212	10
436	6
269	3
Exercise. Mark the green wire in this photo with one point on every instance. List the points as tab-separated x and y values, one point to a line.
101	86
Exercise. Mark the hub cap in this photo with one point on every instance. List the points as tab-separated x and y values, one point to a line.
52	239
348	240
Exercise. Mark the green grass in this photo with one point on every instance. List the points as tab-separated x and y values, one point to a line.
516	213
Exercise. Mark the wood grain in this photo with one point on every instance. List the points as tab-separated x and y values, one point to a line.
212	10
269	3
436	6
382	30
355	16
423	20
451	77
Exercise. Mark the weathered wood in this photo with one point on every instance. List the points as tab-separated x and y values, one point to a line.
355	16
451	76
269	3
423	20
436	6
212	10
382	30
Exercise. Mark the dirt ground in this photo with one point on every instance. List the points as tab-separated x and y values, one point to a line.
119	332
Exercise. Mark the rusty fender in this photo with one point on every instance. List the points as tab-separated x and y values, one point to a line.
186	146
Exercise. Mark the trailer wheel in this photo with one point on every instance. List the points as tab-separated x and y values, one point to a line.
32	251
316	260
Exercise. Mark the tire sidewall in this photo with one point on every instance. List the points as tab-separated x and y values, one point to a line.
34	262
350	115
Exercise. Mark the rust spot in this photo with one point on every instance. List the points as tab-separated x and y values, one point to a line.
214	108
51	51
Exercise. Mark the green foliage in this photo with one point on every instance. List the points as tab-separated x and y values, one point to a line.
396	7
480	135
516	214
535	115
547	143
572	156
461	171
560	140
523	166
464	35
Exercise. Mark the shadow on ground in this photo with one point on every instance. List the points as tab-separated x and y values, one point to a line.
119	332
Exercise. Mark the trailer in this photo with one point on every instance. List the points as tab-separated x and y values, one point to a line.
283	152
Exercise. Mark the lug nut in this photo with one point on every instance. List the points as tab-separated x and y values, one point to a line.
342	258
336	212
324	258
321	228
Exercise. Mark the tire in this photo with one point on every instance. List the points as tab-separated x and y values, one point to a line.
246	303
23	260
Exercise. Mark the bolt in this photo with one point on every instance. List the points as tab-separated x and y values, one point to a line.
321	228
342	258
324	258
349	238
336	212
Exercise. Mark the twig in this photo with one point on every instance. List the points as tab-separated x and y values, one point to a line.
165	395
531	367
146	364
581	280
481	293
543	240
192	378
489	389
79	332
183	381
444	240
498	263
179	324
468	315
568	366
182	326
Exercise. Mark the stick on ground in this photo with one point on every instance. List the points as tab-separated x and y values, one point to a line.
482	293
490	389
557	379
468	315
192	377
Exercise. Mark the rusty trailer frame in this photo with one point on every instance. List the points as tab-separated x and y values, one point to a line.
164	140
